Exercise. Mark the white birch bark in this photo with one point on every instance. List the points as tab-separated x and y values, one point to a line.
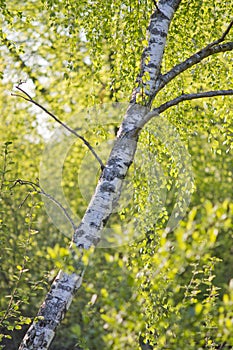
153	53
108	190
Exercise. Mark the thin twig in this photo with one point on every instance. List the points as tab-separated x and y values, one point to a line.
188	97
220	40
24	200
38	189
72	131
156	5
207	51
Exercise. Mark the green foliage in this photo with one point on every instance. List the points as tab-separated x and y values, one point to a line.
183	304
172	289
18	236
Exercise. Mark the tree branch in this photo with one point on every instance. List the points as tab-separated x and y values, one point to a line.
72	131
220	40
210	49
38	189
187	97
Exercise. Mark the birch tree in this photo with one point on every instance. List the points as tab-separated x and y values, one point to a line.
142	109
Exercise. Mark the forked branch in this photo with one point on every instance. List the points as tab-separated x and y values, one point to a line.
28	98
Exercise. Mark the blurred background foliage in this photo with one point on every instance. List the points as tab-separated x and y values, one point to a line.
169	289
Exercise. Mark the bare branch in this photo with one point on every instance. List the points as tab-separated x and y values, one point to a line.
188	97
38	189
72	131
23	91
24	200
210	49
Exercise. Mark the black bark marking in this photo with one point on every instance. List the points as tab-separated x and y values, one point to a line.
80	233
111	174
114	161
128	163
152	65
157	32
80	246
105	220
94	240
107	187
93	224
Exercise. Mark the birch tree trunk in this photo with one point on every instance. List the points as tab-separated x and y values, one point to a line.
108	190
